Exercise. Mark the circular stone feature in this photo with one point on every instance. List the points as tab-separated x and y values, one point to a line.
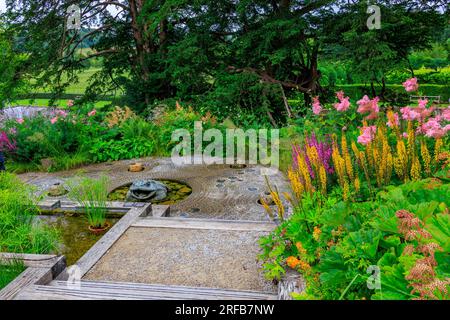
177	191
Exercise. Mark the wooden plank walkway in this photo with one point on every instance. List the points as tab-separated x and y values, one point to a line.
96	290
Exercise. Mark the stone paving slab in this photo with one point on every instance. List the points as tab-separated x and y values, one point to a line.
186	257
218	191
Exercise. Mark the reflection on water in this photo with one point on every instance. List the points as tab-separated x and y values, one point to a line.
76	239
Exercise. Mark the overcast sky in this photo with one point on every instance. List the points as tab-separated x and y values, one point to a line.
2	5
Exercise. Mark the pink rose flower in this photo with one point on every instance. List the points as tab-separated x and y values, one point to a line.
316	107
70	103
344	102
411	85
367	135
20	120
92	113
54	120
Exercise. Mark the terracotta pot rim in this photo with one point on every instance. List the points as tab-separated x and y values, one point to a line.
94	230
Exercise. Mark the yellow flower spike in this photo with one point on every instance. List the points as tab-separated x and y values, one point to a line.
425	157
305	174
323	180
346	191
357	185
389	168
288	197
278	203
267	208
415	170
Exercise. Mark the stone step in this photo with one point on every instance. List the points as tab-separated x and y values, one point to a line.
98	290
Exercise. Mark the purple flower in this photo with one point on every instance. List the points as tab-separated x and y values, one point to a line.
5	143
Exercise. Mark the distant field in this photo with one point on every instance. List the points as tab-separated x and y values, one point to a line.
57	103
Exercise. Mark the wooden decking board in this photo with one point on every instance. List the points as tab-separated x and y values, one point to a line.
27	278
126	291
210	224
94	254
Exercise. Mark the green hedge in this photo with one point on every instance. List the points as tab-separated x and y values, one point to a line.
397	92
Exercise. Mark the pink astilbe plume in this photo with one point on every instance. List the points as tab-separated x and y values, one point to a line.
316	107
433	128
344	102
365	105
411	85
367	135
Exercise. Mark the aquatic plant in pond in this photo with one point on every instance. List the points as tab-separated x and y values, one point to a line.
92	195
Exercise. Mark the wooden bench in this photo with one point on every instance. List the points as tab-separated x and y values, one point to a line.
434	99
